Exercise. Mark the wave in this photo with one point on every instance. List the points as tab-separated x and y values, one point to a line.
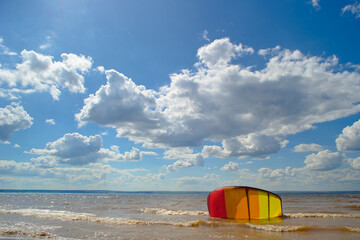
282	228
26	233
72	216
353	207
321	215
164	211
88	217
278	228
45	213
352	229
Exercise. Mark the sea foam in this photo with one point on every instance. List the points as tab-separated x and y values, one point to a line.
321	215
164	211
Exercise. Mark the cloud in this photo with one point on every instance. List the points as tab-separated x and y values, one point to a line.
120	104
269	51
353	8
44	162
76	149
205	36
92	174
313	147
249	112
306	179
315	4
354	163
148	178
13	118
208	179
195	160
50	121
39	73
47	44
324	161
132	181
178	153
10	167
277	173
220	52
72	148
100	69
186	158
250	145
349	139
230	167
5	50
134	154
7	166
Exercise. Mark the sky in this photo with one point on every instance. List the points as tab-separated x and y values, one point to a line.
180	95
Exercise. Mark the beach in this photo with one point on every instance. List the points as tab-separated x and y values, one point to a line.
170	215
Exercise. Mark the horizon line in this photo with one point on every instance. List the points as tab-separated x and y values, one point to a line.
159	191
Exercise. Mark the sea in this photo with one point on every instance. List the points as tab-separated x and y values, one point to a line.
170	215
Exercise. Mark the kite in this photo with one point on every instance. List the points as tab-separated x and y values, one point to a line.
244	203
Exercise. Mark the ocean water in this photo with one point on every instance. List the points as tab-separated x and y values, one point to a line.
169	215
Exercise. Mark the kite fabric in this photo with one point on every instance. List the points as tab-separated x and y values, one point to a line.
244	203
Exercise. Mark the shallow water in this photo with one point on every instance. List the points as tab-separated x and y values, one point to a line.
111	215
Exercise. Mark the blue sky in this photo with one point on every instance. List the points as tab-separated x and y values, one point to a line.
180	95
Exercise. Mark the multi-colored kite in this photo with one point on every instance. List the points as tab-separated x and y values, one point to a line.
244	203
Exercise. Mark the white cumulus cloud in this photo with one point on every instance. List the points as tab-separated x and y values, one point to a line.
349	139
250	112
277	173
39	73
178	153
221	51
324	161
231	167
250	145
13	118
120	104
354	163
72	148
185	158
195	160
76	149
312	147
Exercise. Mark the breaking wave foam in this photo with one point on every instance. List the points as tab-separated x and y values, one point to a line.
72	216
282	228
352	229
278	228
164	211
45	213
26	233
320	215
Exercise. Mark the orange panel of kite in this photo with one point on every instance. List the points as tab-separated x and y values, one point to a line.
244	203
